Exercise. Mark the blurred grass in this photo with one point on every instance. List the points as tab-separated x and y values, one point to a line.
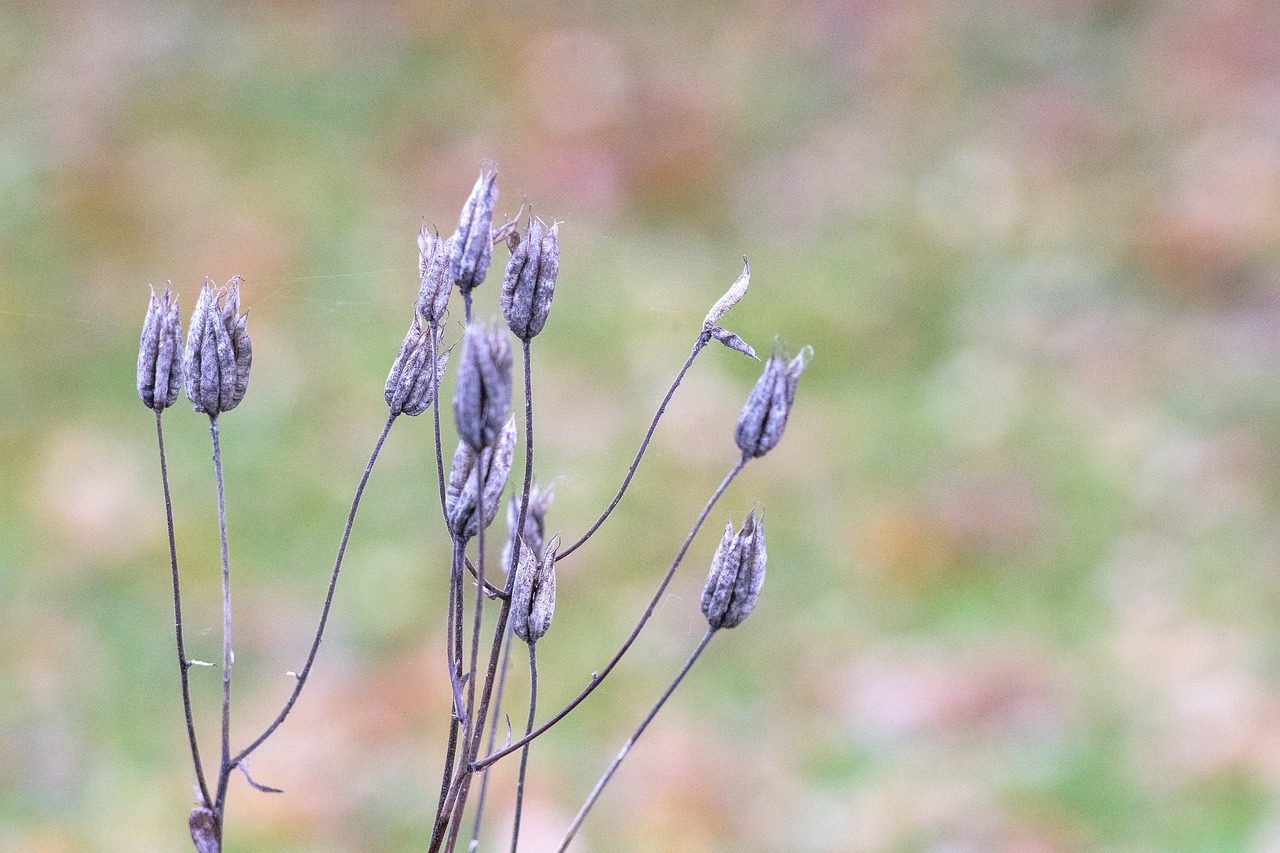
1022	590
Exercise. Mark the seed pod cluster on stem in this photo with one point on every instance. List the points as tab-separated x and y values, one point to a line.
218	352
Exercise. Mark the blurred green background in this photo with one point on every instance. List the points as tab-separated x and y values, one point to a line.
1024	556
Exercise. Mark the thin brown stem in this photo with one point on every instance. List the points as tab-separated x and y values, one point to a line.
702	341
524	752
300	679
626	747
598	678
183	664
224	773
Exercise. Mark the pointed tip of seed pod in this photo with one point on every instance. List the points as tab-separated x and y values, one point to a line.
731	297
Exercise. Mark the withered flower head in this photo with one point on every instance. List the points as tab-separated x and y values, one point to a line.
411	386
764	416
535	521
461	500
737	573
218	351
204	830
533	593
482	398
530	281
473	241
433	257
160	352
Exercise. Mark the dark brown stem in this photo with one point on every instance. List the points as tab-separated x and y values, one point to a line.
524	752
598	678
300	679
644	445
626	747
183	664
493	739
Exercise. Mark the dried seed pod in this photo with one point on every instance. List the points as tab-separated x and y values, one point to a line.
460	499
764	416
731	297
533	593
473	241
411	387
530	281
433	257
732	341
482	398
204	830
218	353
535	524
160	352
737	573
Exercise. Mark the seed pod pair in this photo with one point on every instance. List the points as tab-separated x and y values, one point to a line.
737	573
482	398
764	416
535	522
473	241
462	501
412	386
433	262
160	352
218	351
533	593
530	281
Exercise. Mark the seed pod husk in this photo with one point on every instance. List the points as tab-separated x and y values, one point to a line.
764	416
218	354
737	573
482	397
204	830
411	386
731	298
530	281
473	241
460	499
437	285
160	352
535	524
533	593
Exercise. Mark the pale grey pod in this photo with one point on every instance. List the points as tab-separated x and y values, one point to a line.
535	521
437	285
482	397
732	341
460	498
218	354
533	593
473	241
411	387
736	576
160	352
204	830
530	281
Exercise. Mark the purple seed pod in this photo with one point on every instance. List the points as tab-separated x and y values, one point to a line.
482	397
535	521
764	416
737	573
433	256
218	353
473	241
460	500
411	387
530	281
160	352
533	593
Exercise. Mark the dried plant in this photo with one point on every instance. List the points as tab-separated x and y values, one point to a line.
215	369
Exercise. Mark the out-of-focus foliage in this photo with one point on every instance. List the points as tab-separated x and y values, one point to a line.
1023	588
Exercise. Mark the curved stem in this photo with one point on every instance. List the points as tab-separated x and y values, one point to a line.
524	752
493	738
626	747
300	679
644	445
453	653
183	664
598	678
224	773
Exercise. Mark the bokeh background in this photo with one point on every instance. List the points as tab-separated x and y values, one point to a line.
1024	554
